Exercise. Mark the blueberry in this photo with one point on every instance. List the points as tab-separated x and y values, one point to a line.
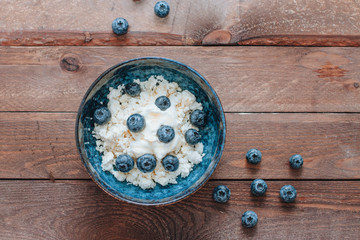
192	136
253	156
162	9
135	123
288	193
296	161
120	26
249	219
221	194
162	103
165	133
146	163
258	187
133	89
170	163
124	163
102	115
198	118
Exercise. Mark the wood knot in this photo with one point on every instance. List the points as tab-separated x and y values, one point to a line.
330	71
356	84
88	37
51	177
70	63
217	37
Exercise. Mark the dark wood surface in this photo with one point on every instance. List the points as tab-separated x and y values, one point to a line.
247	79
39	145
256	22
282	100
80	210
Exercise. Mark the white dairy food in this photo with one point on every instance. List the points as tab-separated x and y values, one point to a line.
114	138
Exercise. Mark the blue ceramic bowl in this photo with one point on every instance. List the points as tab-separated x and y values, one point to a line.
213	135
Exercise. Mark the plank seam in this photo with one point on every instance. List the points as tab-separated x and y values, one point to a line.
230	112
212	180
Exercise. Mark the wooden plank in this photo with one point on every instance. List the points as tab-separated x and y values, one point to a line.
247	79
329	144
42	145
39	145
259	22
80	210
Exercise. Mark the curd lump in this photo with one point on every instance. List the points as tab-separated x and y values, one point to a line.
114	137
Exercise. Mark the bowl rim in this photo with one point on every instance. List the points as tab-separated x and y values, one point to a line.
195	188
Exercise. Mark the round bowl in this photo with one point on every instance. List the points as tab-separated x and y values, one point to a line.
213	135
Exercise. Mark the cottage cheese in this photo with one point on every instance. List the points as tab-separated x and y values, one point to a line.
114	138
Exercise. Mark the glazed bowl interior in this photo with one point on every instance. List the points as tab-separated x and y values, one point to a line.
213	135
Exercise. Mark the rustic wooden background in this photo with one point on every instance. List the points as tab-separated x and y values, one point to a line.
291	87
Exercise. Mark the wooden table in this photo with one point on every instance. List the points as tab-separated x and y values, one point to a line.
283	90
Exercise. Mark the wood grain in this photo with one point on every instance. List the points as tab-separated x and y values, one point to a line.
279	22
329	144
80	210
39	145
247	79
42	145
303	40
85	38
